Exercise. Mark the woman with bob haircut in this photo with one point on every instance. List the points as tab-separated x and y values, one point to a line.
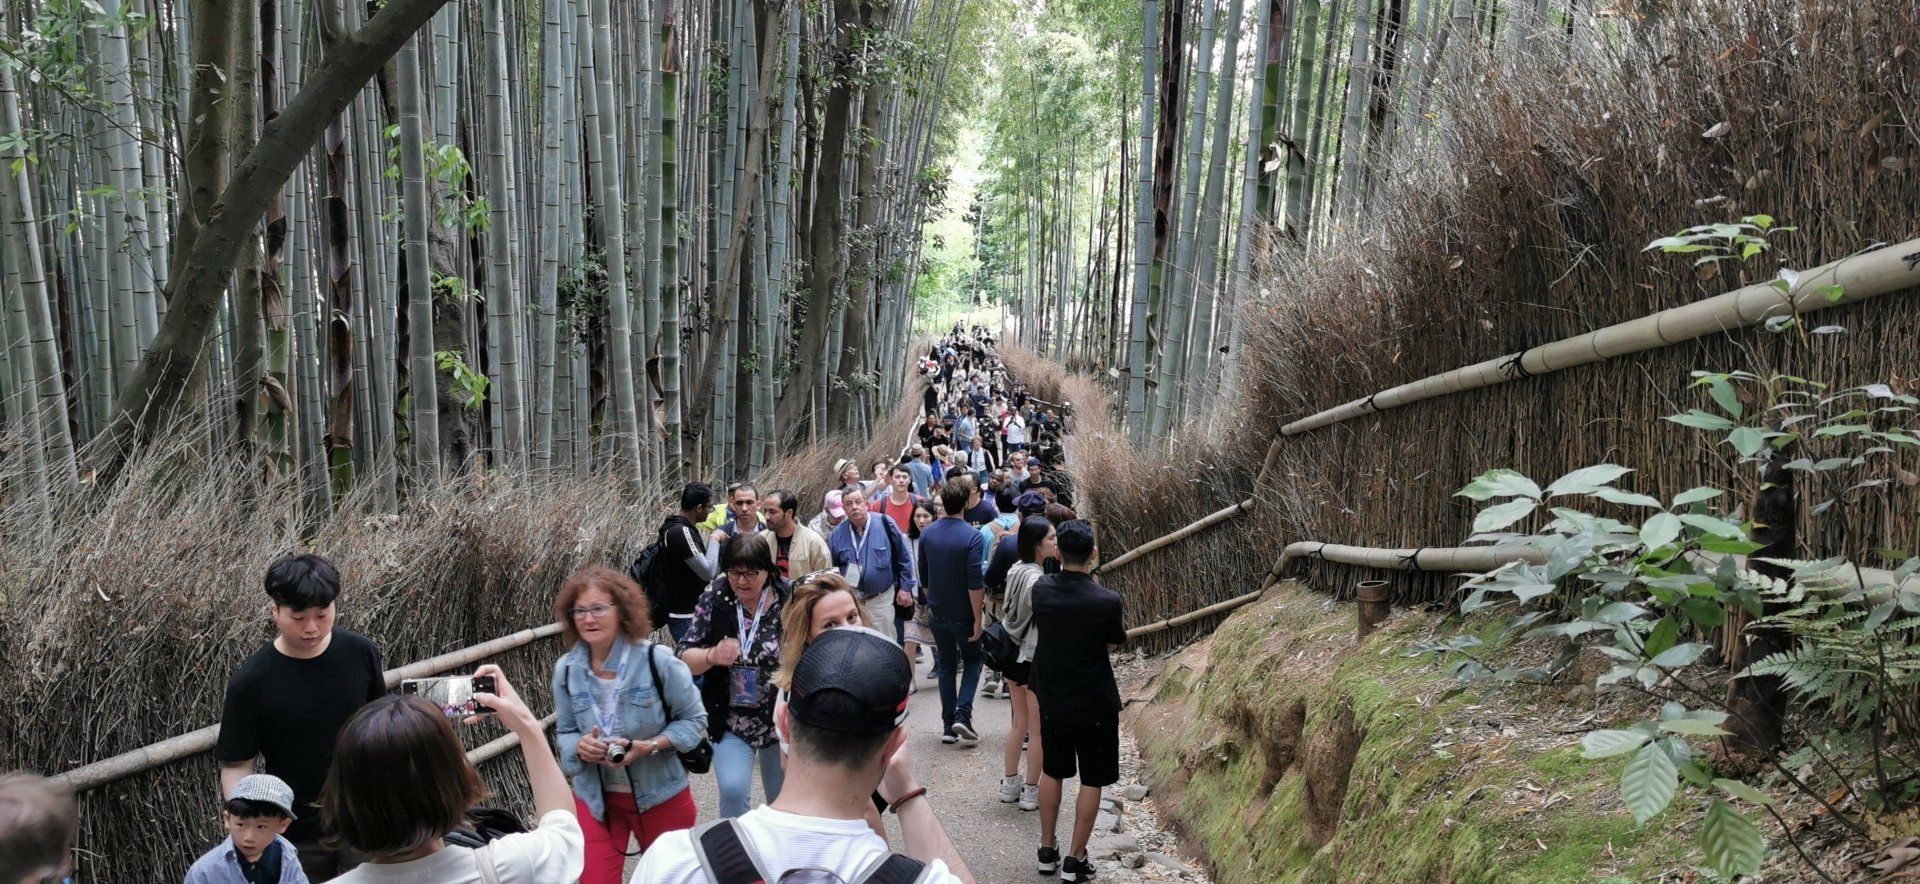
624	709
400	782
734	642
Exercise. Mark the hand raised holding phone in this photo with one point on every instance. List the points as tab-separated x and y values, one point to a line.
505	703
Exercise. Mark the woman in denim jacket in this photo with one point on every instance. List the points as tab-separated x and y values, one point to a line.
624	708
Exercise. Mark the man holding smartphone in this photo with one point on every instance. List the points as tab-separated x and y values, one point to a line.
287	702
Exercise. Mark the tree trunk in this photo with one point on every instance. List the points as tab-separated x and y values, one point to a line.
154	392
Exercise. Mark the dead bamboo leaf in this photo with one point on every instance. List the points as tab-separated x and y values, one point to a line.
1717	130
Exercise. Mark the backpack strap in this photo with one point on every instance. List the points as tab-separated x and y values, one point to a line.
725	853
483	861
894	868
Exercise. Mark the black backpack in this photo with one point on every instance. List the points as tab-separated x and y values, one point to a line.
727	857
649	570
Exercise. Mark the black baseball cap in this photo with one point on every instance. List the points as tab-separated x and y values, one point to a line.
851	681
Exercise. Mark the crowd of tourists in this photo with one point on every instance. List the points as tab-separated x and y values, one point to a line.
744	642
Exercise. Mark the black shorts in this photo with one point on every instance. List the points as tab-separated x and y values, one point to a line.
1018	672
1090	748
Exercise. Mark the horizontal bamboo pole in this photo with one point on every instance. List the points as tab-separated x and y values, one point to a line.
481	651
171	749
493	748
1189	617
1487	558
1861	277
1175	537
1426	558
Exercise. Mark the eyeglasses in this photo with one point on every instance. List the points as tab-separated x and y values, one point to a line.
742	573
596	612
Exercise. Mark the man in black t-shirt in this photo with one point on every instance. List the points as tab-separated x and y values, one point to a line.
287	702
1079	623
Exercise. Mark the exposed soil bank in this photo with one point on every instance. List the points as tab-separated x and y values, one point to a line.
1286	751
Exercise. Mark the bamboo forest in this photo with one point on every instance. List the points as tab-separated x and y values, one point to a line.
1492	425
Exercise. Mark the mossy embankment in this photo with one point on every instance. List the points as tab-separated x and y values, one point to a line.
1287	751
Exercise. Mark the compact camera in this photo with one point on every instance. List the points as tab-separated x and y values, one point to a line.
616	752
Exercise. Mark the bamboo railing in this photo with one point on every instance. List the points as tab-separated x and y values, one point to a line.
1168	539
1860	278
107	770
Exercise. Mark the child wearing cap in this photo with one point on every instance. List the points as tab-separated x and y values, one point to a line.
255	852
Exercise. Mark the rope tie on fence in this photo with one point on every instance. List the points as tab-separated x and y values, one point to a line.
1516	366
1412	559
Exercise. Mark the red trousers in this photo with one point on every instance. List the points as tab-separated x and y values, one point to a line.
607	842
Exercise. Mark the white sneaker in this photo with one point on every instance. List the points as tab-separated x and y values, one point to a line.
1010	789
1029	796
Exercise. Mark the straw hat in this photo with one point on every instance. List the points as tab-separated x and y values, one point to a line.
942	452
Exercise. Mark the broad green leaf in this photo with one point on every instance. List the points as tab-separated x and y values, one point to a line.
1840	430
1879	615
1586	480
1626	498
1747	440
1494	518
1714	526
1649	781
1692	727
1500	483
1608	743
1701	420
1732	845
1731	547
1620	612
1665	634
1660	530
1743	791
1679	655
1696	495
1723	395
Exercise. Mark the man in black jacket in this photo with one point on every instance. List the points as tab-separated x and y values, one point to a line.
692	562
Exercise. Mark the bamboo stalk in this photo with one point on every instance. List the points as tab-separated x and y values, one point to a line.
126	764
1175	537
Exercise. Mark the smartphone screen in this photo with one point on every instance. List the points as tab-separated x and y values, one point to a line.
454	694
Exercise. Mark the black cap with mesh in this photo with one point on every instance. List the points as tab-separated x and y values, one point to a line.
851	681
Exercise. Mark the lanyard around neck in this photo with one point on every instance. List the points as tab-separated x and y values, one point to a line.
748	631
608	722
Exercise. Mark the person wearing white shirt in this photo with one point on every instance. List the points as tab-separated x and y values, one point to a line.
400	782
843	732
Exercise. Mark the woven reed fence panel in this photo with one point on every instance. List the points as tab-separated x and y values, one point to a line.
1524	225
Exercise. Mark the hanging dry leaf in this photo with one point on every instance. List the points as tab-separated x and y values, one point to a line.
1717	130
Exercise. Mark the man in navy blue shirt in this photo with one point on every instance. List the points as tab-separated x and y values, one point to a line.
953	574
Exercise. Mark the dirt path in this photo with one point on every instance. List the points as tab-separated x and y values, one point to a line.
999	840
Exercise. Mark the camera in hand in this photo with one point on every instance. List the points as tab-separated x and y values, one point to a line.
616	752
454	694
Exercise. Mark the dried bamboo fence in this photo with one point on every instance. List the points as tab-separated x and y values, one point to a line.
1858	278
